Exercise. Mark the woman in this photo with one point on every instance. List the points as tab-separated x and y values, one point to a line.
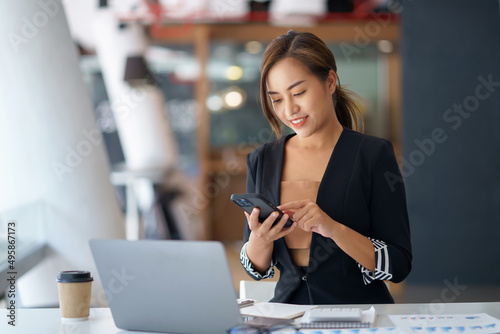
350	228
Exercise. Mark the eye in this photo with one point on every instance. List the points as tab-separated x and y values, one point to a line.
299	94
277	101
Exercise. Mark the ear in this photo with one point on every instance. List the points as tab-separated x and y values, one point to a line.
331	81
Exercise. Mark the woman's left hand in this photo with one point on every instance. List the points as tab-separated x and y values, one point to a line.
310	217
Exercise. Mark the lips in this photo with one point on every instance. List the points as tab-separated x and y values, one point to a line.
298	122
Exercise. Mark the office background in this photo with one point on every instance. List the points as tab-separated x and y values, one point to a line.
418	72
454	188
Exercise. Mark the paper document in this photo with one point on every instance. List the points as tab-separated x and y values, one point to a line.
478	323
378	330
275	310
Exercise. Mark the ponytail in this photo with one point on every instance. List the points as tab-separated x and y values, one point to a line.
346	109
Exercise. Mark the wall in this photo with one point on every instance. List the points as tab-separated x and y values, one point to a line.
451	139
50	149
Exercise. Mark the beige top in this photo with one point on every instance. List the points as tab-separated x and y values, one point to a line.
299	241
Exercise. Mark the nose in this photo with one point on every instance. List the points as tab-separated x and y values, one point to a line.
291	107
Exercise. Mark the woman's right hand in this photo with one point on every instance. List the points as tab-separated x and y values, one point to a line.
265	232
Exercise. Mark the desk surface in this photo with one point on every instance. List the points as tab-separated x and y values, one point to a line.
100	321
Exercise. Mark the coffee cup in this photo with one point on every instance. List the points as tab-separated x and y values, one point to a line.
74	288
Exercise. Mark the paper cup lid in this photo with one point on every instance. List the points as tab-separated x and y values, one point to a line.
74	276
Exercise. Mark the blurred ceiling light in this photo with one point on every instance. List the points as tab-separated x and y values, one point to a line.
214	103
385	46
253	47
234	73
234	97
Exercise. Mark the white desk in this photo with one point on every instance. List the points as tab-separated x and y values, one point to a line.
48	321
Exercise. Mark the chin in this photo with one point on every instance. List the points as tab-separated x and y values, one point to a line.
303	134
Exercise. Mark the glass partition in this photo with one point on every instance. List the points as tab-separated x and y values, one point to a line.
233	101
23	226
22	241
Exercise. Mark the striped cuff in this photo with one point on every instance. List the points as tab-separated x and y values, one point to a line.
245	261
383	267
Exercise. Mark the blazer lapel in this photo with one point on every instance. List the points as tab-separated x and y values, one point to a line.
271	189
273	168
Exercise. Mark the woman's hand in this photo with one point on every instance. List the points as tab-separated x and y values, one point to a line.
310	217
264	232
261	242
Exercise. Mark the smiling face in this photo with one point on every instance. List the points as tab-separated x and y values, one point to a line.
300	99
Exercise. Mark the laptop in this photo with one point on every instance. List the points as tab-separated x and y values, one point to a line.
167	285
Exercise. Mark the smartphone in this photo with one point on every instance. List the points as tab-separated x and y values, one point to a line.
249	201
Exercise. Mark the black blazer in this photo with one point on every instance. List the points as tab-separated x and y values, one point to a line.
362	188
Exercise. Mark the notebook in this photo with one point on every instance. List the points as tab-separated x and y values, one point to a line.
368	318
167	285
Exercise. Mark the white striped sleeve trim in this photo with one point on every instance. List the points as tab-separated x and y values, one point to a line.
247	264
383	267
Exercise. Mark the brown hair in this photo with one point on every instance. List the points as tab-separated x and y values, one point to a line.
317	57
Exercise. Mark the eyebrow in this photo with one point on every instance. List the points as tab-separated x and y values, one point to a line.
290	87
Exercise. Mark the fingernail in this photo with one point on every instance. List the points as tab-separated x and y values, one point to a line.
275	214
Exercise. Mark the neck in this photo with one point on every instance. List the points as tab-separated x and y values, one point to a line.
325	139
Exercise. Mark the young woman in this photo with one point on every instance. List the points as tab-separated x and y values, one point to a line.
343	189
